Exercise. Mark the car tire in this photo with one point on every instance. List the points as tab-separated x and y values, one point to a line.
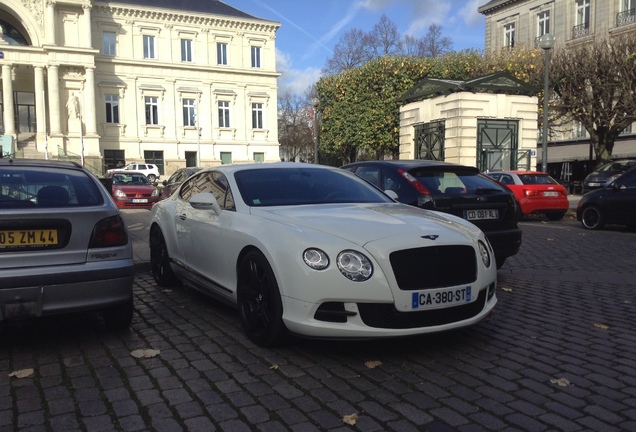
555	216
152	178
119	317
592	218
259	302
160	259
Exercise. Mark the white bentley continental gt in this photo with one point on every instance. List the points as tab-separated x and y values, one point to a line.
318	252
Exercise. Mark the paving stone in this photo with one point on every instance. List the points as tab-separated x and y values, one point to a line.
209	376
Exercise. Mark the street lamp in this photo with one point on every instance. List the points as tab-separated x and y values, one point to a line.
546	42
315	101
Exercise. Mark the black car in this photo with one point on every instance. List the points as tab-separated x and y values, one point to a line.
612	204
607	173
175	181
451	188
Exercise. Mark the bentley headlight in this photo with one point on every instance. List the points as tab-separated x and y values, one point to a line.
355	266
316	259
485	255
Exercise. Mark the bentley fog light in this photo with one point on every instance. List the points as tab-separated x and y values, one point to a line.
485	255
355	266
316	259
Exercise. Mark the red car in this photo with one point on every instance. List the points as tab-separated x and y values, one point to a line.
536	192
133	190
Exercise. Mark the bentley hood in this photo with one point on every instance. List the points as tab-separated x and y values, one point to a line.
363	223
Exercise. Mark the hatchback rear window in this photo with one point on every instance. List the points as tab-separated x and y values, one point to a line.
45	187
531	179
455	182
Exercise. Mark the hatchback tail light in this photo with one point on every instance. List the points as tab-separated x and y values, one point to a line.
109	232
530	192
419	187
425	199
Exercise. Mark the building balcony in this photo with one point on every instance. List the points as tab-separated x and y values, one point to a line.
626	17
581	30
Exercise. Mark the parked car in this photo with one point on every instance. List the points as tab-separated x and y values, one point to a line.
612	204
63	244
149	170
536	193
175	180
607	173
133	190
316	251
451	188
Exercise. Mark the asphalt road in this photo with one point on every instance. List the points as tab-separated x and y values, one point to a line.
559	354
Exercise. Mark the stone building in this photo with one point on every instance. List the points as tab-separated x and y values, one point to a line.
175	83
488	122
511	23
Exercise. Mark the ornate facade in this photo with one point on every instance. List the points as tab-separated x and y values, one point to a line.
172	83
511	23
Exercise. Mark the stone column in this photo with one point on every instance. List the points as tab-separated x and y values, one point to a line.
54	99
86	26
40	109
90	117
7	100
50	22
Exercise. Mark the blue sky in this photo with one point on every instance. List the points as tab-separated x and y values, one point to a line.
311	28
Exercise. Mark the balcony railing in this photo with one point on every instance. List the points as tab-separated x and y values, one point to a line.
581	30
626	17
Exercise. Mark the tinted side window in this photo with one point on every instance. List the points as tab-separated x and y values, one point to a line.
221	191
370	174
193	186
628	180
212	182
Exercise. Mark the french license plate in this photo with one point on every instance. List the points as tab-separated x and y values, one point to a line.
481	214
140	200
444	297
550	194
593	184
19	238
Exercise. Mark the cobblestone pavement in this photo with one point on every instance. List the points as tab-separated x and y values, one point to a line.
559	354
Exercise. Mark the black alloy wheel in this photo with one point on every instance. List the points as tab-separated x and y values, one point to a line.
160	260
259	302
592	218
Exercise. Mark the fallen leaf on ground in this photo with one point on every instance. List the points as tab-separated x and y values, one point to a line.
350	419
601	326
145	353
561	382
507	289
550	239
23	373
274	367
373	364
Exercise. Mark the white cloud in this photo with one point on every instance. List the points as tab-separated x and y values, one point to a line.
469	13
294	81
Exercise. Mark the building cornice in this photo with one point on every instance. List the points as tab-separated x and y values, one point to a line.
494	4
193	19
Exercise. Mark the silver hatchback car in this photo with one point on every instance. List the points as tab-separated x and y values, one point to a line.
63	244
